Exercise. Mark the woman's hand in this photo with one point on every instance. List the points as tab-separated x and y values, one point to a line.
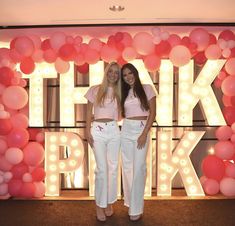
141	140
89	139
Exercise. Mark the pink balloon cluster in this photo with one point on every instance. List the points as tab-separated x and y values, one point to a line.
21	155
219	169
122	47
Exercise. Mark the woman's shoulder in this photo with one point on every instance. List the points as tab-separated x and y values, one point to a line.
94	88
147	87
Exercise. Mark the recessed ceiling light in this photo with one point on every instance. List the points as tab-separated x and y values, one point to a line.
117	8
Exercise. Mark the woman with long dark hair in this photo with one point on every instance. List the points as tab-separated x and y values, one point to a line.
138	106
103	135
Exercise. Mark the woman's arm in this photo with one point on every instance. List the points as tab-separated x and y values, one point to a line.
152	114
88	123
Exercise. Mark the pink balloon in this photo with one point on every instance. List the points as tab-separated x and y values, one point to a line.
217	83
230	170
91	56
61	66
3	189
67	52
27	190
213	52
230	66
20	121
4	164
24	46
126	39
57	40
40	137
109	54
233	138
223	133
211	187
226	100
6	76
69	40
227	35
229	114
228	85
27	177
95	44
50	55
224	150
5	126
19	170
129	54
37	56
27	65
40	189
213	167
15	97
152	62
14	187
7	176
33	154
38	174
143	43
179	55
174	40
201	37
36	41
163	49
14	155
18	137
227	186
203	179
3	146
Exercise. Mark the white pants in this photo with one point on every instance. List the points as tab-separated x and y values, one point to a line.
106	147
133	165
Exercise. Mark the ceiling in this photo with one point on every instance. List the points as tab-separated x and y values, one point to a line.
75	12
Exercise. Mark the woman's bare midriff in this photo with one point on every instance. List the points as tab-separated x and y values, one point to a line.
138	118
104	120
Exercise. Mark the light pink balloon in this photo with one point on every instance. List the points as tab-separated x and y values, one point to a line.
37	56
201	37
15	97
230	170
3	146
27	177
18	137
57	40
39	189
1	179
3	189
233	127
7	176
230	66
213	52
20	120
61	66
228	85
129	54
224	150
211	187
227	186
109	54
143	43
223	133
33	154
2	88
203	179
179	55
14	155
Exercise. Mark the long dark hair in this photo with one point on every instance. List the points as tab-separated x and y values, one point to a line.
138	89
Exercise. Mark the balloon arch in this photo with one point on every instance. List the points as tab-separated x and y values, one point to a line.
21	148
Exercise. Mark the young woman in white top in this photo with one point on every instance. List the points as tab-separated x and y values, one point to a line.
138	105
103	135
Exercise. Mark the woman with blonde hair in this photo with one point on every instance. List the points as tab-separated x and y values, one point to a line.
103	135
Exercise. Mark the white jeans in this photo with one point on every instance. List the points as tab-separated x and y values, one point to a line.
106	147
133	165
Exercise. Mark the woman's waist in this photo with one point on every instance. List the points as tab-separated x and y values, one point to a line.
137	118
